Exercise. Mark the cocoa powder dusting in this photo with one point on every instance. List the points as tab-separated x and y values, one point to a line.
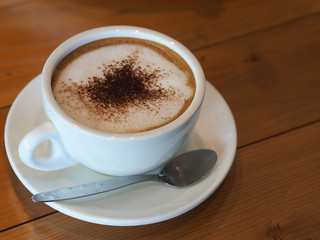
124	84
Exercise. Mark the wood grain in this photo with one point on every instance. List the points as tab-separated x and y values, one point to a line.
31	30
15	200
265	196
269	78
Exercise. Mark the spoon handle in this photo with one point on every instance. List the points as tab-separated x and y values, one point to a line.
92	188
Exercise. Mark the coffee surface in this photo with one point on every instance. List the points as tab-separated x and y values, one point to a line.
123	85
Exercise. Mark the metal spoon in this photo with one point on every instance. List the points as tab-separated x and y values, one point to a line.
183	170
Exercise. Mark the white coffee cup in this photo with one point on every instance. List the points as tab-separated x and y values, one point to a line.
108	153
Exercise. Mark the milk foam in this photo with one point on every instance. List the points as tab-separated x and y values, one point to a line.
70	87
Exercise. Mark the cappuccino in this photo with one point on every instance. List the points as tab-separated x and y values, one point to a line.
123	85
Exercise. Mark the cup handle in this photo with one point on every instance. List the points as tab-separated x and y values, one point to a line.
55	160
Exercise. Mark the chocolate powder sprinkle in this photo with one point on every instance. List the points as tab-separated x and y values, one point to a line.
124	84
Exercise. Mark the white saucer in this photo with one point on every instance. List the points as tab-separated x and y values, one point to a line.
138	204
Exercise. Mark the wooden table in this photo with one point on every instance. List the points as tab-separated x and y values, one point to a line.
264	58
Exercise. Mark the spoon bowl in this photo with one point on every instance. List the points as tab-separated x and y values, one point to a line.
183	170
188	168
